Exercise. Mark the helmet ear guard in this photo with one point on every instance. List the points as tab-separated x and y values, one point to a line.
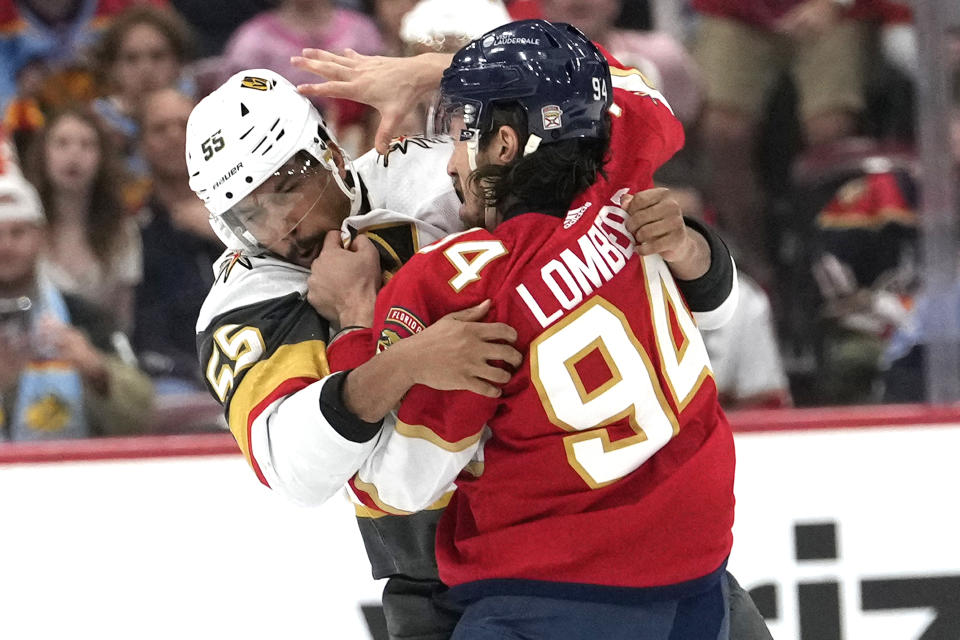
242	133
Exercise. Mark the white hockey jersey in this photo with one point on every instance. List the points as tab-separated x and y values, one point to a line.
262	346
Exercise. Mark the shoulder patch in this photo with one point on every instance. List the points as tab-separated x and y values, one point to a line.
403	143
404	318
237	258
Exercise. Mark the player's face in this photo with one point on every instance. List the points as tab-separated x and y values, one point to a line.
458	168
20	245
290	213
73	154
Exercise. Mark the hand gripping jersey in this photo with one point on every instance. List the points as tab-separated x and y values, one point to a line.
262	345
607	460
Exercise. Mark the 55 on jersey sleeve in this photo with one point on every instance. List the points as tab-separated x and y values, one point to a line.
257	354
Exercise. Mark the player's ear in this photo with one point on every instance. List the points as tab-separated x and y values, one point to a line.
507	145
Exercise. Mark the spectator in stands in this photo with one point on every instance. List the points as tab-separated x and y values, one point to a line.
66	373
745	352
215	22
743	47
389	15
144	49
904	359
866	270
94	246
439	26
270	39
179	248
57	32
660	57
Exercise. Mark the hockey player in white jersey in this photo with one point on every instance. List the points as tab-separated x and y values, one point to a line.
275	182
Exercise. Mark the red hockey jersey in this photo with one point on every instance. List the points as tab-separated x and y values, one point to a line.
607	460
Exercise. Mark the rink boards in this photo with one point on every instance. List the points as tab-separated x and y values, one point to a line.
847	527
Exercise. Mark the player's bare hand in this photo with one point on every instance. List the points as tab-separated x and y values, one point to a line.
656	222
392	86
460	351
343	282
810	19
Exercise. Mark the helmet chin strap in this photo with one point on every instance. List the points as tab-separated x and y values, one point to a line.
352	194
473	145
489	218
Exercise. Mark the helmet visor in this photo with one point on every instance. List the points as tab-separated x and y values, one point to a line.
456	118
274	209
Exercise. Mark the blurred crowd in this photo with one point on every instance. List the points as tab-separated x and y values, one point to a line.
800	123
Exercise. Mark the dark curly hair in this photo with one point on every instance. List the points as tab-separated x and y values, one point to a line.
549	179
106	212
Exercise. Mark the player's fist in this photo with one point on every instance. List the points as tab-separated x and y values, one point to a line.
655	220
343	282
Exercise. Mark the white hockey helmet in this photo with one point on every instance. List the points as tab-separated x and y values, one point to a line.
241	134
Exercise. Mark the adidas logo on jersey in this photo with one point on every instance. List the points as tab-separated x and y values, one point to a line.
574	215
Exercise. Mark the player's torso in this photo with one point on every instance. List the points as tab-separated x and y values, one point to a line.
613	414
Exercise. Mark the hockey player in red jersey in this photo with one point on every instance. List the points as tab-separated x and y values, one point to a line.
594	497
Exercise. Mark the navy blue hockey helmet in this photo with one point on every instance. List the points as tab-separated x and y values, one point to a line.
552	70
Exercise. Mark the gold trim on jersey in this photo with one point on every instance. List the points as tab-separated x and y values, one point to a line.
571	366
626	73
705	373
422	432
599	430
673	314
414	231
306	359
363	511
475	468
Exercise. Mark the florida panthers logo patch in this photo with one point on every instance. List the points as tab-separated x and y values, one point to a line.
552	117
402	317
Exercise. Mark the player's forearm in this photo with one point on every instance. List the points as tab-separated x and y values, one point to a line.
374	388
695	261
428	69
712	295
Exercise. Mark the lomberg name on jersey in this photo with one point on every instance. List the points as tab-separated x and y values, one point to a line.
603	251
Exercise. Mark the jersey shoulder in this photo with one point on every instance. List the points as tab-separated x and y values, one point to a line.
644	129
256	328
454	273
476	263
242	280
412	180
